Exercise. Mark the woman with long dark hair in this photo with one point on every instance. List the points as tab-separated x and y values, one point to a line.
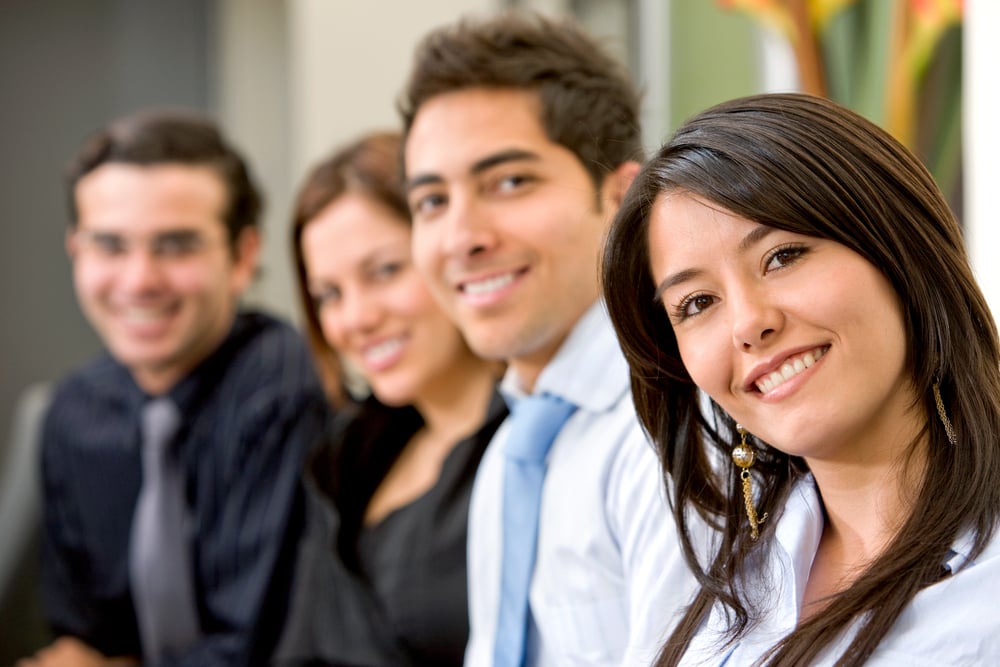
820	373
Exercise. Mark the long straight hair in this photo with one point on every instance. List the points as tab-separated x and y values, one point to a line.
807	165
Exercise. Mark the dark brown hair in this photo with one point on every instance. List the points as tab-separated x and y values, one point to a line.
368	166
155	137
807	165
588	104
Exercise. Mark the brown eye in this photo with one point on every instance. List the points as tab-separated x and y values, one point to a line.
784	256
425	205
693	305
699	303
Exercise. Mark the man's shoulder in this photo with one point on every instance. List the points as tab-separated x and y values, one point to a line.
89	404
99	380
266	351
264	367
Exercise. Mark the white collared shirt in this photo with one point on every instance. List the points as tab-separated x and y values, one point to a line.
609	578
954	622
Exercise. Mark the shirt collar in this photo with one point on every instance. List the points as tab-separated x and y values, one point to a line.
589	369
800	534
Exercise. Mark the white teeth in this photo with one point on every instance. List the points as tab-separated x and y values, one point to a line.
144	314
378	353
489	285
789	370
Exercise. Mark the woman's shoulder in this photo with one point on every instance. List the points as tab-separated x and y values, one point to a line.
953	622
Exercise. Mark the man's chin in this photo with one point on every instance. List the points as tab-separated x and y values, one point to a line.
489	347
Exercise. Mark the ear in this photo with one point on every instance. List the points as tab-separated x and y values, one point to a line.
246	254
616	184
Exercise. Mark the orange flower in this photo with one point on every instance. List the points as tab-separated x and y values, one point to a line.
937	12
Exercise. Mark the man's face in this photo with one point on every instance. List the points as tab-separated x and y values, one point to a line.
507	223
153	268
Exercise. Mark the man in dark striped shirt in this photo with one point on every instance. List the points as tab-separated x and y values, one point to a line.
163	240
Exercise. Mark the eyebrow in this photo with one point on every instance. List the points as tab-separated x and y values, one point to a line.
756	235
378	254
178	235
675	279
478	167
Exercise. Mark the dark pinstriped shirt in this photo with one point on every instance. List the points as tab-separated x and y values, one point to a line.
251	411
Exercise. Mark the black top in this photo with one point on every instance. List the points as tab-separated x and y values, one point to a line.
251	411
393	594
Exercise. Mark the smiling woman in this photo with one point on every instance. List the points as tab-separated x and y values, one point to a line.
381	578
794	263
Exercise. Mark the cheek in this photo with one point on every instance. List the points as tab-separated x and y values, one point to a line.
91	279
329	325
413	299
706	357
424	247
200	279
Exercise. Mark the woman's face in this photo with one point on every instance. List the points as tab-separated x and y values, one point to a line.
373	307
799	338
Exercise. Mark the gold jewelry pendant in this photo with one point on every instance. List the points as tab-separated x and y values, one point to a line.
942	413
744	457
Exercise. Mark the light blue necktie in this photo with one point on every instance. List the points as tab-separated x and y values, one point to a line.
160	570
535	421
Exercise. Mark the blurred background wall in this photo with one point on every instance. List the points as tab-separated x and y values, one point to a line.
291	79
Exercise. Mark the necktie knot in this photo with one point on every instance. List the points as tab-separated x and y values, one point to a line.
536	420
160	421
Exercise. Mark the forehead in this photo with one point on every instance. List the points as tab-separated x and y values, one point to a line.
127	197
352	225
453	130
682	225
688	215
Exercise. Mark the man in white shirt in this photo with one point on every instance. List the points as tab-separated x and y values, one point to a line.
522	136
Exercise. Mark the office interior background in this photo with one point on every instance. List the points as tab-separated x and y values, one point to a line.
289	80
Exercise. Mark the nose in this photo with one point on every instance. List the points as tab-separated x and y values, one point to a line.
756	318
360	311
141	271
468	228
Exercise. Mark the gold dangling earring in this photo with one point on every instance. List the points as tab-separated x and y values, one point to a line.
744	457
948	428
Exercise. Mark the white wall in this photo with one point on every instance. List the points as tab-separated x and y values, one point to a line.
298	78
253	105
982	142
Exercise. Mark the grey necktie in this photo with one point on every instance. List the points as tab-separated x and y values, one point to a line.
160	571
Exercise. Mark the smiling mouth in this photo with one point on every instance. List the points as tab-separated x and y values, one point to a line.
377	354
145	315
789	369
489	285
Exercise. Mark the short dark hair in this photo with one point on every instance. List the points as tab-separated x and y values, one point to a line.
588	102
153	137
368	166
807	165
